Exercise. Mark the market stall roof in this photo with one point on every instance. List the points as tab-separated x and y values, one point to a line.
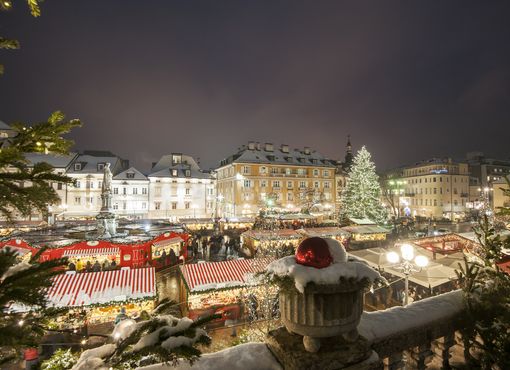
375	257
323	232
366	229
272	234
91	248
19	245
430	276
295	216
361	221
87	288
218	275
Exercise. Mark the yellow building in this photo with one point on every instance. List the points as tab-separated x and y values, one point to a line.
264	177
435	189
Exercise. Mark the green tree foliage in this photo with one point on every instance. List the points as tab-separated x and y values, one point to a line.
5	43
487	299
62	359
361	197
24	188
23	312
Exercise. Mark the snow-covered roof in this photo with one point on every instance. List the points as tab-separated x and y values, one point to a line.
218	275
361	221
86	288
130	174
57	161
89	163
277	156
165	166
366	229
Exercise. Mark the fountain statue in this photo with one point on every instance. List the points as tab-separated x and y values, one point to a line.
106	222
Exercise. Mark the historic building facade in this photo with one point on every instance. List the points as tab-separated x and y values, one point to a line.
435	188
264	177
178	189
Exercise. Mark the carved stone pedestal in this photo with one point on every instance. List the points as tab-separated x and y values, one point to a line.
334	353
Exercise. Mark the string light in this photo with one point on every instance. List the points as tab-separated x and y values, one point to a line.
21	322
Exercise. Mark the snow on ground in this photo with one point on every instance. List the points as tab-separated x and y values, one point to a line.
249	356
340	268
382	324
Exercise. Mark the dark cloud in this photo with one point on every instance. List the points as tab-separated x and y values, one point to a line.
410	80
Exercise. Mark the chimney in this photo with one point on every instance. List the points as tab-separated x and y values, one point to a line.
251	145
307	150
268	147
285	148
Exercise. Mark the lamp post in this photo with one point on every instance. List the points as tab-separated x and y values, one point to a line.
409	264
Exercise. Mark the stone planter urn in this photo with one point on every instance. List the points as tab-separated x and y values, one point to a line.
323	311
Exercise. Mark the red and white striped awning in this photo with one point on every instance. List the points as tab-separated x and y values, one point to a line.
165	242
86	288
218	275
90	252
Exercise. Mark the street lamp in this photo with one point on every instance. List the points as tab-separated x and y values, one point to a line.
409	264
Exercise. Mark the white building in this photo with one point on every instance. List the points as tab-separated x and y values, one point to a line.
180	189
83	200
130	194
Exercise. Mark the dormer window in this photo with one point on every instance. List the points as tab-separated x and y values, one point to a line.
77	166
174	173
188	173
100	166
130	175
176	158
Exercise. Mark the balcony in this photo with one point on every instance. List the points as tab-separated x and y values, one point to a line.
464	195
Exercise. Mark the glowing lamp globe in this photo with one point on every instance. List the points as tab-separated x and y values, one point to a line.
314	252
421	261
407	251
392	257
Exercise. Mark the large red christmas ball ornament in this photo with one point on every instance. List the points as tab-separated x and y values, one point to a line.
314	252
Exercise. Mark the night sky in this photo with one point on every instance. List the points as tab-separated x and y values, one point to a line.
408	79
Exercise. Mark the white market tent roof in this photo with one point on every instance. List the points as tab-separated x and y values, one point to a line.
87	288
218	275
361	221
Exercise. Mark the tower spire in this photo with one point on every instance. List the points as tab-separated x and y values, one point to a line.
348	154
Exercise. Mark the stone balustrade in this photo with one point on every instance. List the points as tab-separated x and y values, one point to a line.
413	335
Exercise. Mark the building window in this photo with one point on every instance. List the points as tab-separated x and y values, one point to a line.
209	205
316	184
77	200
327	184
326	173
316	172
130	175
290	184
274	170
115	206
290	197
174	173
247	183
77	166
246	170
188	191
115	190
59	186
302	184
186	205
174	205
144	191
263	170
157	205
263	183
77	184
123	205
135	190
188	173
144	205
100	166
124	191
276	183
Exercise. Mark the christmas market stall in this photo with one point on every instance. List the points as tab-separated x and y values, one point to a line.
24	251
219	287
326	232
167	248
102	295
253	241
196	224
238	223
365	236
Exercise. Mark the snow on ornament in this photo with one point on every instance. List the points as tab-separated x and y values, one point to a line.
314	252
